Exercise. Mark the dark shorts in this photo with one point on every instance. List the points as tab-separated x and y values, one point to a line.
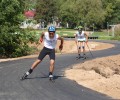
46	51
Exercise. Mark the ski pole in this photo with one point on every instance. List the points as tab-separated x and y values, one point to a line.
38	45
89	50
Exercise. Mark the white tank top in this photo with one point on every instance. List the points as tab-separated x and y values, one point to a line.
50	43
80	36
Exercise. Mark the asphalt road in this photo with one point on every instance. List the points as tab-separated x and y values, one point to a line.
38	86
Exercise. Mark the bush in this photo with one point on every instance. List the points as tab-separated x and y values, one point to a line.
15	44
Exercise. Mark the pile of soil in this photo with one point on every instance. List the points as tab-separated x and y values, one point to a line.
101	74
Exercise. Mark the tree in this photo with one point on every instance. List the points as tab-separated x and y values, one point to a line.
91	11
82	11
30	4
11	15
45	10
13	41
112	11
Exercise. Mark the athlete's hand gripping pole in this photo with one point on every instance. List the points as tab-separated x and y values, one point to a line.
61	44
41	39
60	48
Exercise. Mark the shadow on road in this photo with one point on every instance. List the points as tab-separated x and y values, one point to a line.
42	77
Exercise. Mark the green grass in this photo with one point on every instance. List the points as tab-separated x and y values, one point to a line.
99	34
103	35
61	32
66	33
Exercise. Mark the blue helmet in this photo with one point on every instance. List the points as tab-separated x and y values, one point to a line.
51	29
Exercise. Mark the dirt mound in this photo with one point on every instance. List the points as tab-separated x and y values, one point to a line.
107	66
101	74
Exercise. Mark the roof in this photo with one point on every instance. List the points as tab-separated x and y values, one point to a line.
29	13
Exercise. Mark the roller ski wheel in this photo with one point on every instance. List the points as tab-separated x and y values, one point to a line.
51	78
24	77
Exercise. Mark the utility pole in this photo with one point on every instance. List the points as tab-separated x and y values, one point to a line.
43	25
93	27
108	28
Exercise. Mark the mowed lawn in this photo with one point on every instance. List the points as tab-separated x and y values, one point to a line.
71	32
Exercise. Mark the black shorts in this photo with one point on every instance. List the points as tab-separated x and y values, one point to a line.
46	51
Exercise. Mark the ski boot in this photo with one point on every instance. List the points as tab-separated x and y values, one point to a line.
51	77
79	56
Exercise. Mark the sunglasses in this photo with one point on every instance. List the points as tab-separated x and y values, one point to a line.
51	33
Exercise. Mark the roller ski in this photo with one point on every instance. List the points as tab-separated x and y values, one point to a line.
24	77
51	78
26	74
79	57
84	56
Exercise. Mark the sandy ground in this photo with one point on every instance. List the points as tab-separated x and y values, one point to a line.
102	74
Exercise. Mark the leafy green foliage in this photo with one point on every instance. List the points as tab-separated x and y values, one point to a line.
15	45
10	15
11	45
112	11
45	10
81	12
13	40
30	4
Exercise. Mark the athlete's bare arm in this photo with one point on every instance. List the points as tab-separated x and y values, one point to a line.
75	38
41	37
86	35
61	43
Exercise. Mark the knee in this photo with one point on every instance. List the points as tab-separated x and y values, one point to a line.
52	62
79	47
38	61
83	47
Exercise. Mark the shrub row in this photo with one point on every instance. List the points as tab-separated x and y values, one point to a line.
16	44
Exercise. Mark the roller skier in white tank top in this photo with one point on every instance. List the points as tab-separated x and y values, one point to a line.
50	39
80	38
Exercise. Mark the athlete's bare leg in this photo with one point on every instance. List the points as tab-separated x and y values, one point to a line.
52	62
34	65
83	45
